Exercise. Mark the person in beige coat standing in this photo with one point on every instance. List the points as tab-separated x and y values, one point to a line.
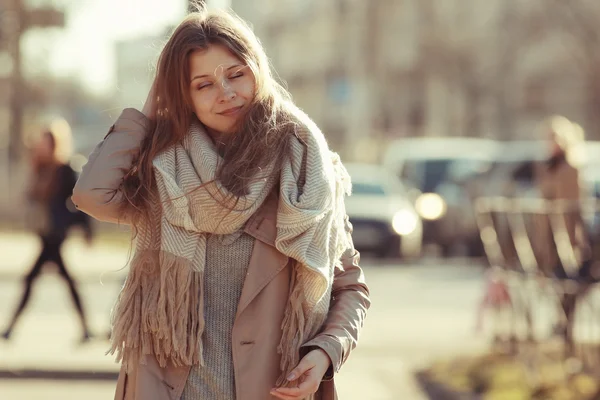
561	241
244	283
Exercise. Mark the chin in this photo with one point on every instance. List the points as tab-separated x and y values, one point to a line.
228	129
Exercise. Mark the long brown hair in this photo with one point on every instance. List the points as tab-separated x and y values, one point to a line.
262	136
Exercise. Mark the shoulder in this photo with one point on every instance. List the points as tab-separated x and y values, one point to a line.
303	123
310	135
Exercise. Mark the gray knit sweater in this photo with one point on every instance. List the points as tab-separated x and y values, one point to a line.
227	259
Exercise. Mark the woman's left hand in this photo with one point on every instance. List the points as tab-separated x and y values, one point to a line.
308	375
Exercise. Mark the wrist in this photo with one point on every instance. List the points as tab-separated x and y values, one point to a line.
324	356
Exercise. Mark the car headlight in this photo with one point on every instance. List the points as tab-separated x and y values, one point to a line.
431	206
404	222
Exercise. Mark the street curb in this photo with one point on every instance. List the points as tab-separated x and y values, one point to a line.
437	391
58	375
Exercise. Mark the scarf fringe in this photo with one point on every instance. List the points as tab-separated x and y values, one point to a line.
162	320
298	325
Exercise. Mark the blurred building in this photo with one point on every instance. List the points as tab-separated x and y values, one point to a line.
389	68
135	66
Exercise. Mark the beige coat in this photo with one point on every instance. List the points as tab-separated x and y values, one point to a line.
257	327
560	183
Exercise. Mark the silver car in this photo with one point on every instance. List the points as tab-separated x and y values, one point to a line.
383	217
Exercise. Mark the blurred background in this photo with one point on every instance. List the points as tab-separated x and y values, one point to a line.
442	112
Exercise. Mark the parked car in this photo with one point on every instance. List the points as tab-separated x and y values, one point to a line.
384	219
590	178
512	172
441	168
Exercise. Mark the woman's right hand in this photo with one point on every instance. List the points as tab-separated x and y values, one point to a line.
150	100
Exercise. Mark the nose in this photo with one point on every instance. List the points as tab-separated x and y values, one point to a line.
228	93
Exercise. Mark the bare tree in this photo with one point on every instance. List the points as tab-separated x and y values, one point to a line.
480	60
578	18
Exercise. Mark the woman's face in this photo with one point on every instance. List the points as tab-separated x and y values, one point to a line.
44	148
553	146
221	88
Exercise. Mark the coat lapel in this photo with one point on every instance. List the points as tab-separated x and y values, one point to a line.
266	261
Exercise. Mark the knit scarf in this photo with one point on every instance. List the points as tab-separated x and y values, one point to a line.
159	311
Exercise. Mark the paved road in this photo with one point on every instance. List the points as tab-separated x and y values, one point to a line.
418	313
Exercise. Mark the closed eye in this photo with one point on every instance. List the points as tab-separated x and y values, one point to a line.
237	75
203	85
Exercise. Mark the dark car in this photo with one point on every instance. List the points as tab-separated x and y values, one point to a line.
441	169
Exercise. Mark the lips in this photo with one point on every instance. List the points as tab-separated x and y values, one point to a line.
231	111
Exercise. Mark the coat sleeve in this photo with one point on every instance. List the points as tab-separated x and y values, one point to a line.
572	189
349	304
97	191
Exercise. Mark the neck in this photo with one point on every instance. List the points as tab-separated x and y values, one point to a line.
558	155
214	135
218	138
48	163
556	159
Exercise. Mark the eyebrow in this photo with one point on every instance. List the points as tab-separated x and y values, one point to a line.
227	69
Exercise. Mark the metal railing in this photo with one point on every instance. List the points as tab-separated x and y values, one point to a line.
546	252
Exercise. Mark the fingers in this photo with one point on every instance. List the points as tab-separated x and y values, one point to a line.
308	374
309	386
283	396
302	367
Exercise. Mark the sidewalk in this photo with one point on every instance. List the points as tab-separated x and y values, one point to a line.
45	342
419	313
55	354
107	260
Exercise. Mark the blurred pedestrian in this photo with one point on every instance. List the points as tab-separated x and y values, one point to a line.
51	214
245	283
496	298
562	243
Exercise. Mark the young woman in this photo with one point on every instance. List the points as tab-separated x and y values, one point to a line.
49	193
244	284
558	180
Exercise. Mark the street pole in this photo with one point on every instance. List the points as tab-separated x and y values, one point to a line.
16	83
16	20
22	20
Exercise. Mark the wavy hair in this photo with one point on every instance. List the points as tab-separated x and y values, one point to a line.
262	136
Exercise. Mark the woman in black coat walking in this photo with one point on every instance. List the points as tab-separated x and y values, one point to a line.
53	214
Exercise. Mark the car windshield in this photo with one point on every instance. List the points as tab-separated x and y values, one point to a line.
522	171
370	189
428	174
